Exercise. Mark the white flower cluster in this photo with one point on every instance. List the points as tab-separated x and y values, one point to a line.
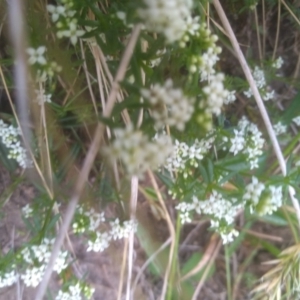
215	93
41	97
183	154
297	120
156	61
221	210
260	81
277	64
45	69
10	138
172	18
74	292
8	278
218	207
279	128
168	105
248	140
261	199
117	232
66	23
137	153
27	211
230	98
205	63
87	220
36	258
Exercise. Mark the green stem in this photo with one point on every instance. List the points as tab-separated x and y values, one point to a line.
174	260
228	273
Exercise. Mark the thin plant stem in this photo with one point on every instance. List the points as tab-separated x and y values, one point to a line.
290	11
88	162
120	289
259	102
133	205
258	35
264	27
174	260
228	273
277	31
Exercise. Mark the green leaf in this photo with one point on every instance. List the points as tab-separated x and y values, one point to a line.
203	173
292	111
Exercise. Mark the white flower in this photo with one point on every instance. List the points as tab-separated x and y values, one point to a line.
56	11
171	18
72	293
253	193
168	105
268	95
277	64
122	231
136	151
230	97
260	81
33	276
72	32
42	97
297	120
215	93
237	142
184	209
207	62
279	128
100	243
8	278
37	55
27	211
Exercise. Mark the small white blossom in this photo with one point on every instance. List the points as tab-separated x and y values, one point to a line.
37	55
10	138
184	154
56	11
8	278
237	142
184	209
72	32
171	18
277	64
72	293
297	120
27	211
100	243
253	193
230	97
260	81
33	276
215	93
136	151
279	128
119	231
168	105
268	95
